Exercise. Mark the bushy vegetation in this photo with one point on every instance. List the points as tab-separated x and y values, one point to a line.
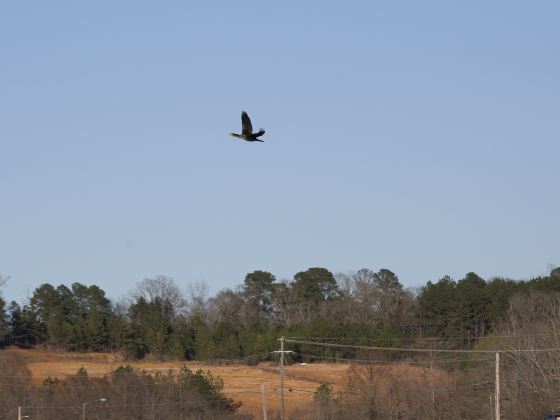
124	394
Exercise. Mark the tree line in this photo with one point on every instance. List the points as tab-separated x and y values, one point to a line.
159	320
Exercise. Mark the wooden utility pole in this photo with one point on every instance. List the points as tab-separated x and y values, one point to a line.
433	385
281	351
282	378
263	398
497	396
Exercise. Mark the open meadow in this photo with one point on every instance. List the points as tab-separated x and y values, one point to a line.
241	382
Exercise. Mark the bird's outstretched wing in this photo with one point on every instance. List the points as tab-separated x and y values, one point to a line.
246	127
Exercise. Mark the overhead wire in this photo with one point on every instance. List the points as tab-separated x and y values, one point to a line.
404	349
365	361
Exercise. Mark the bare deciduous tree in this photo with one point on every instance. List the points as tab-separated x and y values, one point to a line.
197	298
3	279
163	288
226	306
531	387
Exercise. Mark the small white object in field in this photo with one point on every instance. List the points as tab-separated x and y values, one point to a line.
303	364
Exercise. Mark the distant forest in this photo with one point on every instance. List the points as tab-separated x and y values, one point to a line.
159	320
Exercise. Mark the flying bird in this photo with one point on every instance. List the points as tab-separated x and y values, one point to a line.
247	130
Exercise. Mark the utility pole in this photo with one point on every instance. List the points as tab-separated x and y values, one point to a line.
281	339
497	397
263	398
433	385
282	378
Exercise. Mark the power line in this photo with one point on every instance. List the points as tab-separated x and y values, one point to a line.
112	385
49	407
387	362
316	343
478	337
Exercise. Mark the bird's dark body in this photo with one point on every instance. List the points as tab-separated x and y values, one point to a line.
247	130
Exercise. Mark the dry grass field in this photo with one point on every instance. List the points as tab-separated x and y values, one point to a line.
241	382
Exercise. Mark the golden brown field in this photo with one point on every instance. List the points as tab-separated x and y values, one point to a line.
241	382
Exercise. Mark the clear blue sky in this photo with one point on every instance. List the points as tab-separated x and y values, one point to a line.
423	137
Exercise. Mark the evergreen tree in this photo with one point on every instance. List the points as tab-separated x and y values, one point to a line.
316	284
437	308
151	325
258	288
472	304
4	325
15	321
